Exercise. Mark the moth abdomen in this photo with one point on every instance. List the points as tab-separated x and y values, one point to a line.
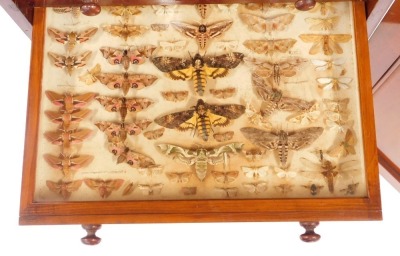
204	127
199	78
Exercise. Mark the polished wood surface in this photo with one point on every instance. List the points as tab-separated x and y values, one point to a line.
312	209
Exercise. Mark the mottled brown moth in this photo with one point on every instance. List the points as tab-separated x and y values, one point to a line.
198	68
201	118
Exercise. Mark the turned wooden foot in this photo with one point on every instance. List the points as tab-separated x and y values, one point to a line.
91	238
309	235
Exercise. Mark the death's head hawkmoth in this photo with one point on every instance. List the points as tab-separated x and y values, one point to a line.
198	68
201	157
70	62
282	141
125	31
125	57
201	117
71	38
126	81
202	32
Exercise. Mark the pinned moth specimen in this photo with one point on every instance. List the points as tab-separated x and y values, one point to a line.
333	83
123	105
179	177
124	11
228	45
91	75
345	147
150	189
202	32
224	136
70	102
314	188
130	55
284	188
326	44
173	46
328	171
126	81
67	121
270	24
338	118
228	8
129	188
154	134
254	154
255	187
117	132
68	163
324	8
127	155
125	30
151	170
225	177
66	138
203	9
189	191
269	47
273	98
104	187
198	68
223	93
351	188
165	9
255	172
201	157
71	38
337	105
323	23
175	96
281	141
228	192
201	117
275	70
284	173
159	27
75	11
69	62
64	188
257	117
267	6
330	64
306	117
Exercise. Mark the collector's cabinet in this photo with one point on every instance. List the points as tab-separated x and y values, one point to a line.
197	112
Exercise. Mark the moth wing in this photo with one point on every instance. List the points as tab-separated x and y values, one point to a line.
55	98
228	60
81	100
81	161
137	104
293	104
320	65
304	137
111	80
168	64
59	60
317	40
114	56
80	135
59	36
218	176
265	139
216	29
279	22
254	22
109	103
174	120
213	72
185	28
86	34
230	111
344	82
138	160
53	161
327	83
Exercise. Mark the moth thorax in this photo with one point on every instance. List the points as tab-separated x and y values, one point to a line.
201	164
277	73
202	28
283	147
276	95
313	189
326	48
125	61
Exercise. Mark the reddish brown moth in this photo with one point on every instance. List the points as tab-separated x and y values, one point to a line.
69	62
104	187
70	102
64	188
71	38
